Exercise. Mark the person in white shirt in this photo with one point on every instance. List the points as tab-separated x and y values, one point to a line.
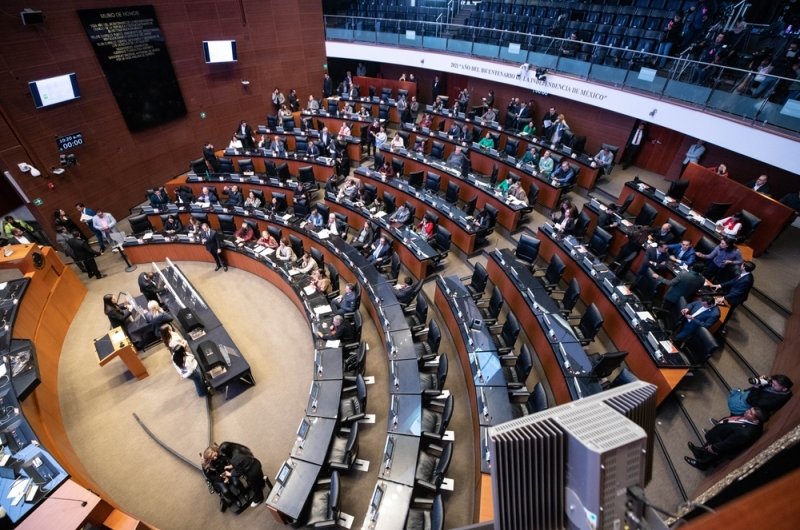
380	138
730	226
285	252
235	143
397	142
313	104
333	226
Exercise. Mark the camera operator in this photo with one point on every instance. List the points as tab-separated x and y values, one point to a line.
767	393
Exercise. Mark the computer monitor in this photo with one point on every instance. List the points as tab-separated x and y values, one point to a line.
302	431
283	474
375	503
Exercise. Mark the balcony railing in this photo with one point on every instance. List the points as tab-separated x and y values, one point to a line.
747	96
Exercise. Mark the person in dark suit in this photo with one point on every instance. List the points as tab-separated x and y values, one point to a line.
235	197
663	234
83	253
148	286
682	253
117	315
207	196
699	314
325	139
769	393
364	236
655	258
245	133
340	330
436	89
729	437
379	252
156	316
736	290
760	185
211	157
564	174
327	86
634	144
405	291
345	303
210	240
685	284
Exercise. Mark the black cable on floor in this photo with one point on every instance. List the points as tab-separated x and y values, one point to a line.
210	419
165	446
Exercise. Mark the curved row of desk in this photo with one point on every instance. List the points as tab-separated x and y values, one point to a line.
396	485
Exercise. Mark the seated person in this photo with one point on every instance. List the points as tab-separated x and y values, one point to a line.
505	184
566	223
760	185
702	313
276	146
721	170
604	159
316	219
767	393
158	199
172	225
306	264
397	142
344	130
312	104
349	190
722	256
380	138
655	258
244	234
333	225
386	169
320	281
546	163
454	131
206	196
564	174
426	227
285	252
377	205
235	143
263	142
531	156
345	302
234	196
267	240
340	330
405	291
331	185
379	251
682	253
487	141
285	112
730	226
426	121
313	149
528	130
456	158
252	201
728	438
518	192
364	236
662	234
401	215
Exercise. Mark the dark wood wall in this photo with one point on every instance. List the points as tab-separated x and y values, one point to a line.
280	44
663	153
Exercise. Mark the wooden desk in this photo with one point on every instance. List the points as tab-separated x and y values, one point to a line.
617	328
120	346
705	187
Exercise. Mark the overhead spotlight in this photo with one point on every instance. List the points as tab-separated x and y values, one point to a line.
541	74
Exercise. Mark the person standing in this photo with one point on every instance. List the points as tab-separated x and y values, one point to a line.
736	290
694	154
87	215
61	219
436	89
633	146
83	253
148	287
105	223
210	239
186	365
327	86
211	157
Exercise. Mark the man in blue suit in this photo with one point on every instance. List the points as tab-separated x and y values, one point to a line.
379	251
736	290
699	314
345	303
682	253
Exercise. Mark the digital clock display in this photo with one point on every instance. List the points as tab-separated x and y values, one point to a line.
69	141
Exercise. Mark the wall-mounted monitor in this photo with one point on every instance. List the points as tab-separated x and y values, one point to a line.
54	90
220	51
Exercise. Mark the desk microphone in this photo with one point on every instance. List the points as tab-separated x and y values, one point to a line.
83	503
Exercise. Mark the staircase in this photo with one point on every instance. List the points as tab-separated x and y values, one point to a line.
459	19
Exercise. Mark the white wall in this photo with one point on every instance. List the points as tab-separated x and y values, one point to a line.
756	143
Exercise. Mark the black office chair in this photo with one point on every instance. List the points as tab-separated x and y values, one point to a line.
622	264
677	189
418	319
553	273
581	225
717	210
436	417
589	325
678	229
516	371
344	448
413	211
333	276
509	332
426	515
570	297
226	224
355	363
433	182
428	349
318	256
301	207
271	169
646	215
645	287
604	365
283	172
452	192
200	217
749	224
272	122
699	347
491	310
353	405
277	233
622	208
398	166
324	503
432	464
469	205
393	271
537	402
305	175
441	242
511	148
477	281
527	249
225	165
493	175
288	124
411	306
300	145
140	224
253	226
296	243
432	383
599	243
705	245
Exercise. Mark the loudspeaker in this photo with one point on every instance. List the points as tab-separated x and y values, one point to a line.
29	16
